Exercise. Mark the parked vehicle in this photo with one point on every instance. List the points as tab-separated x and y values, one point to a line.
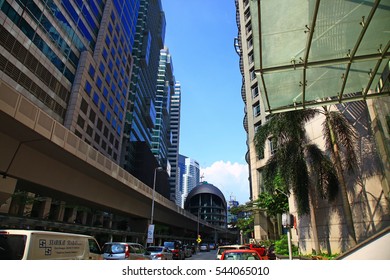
221	249
176	249
204	247
212	246
125	251
193	248
160	253
47	245
261	249
271	252
240	254
187	251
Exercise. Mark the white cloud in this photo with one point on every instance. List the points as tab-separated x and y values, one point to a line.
230	178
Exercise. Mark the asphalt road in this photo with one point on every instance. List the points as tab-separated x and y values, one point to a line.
212	255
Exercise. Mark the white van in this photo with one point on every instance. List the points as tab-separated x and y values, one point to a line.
47	245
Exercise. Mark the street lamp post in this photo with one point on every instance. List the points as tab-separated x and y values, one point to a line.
287	226
154	192
150	235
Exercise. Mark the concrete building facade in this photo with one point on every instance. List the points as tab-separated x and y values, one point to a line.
73	59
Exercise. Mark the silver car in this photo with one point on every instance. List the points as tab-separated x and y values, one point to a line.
160	253
125	251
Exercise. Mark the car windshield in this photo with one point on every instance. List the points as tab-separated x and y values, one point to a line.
171	245
154	249
114	248
223	249
12	246
241	256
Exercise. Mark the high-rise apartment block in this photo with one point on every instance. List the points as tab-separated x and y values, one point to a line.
294	57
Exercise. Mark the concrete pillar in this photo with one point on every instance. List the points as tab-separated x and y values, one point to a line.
59	215
260	226
45	208
140	225
5	208
7	189
72	216
84	216
29	204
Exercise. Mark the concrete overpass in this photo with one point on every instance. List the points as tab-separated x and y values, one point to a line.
42	155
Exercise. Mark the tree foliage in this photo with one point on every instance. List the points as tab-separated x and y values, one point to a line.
290	159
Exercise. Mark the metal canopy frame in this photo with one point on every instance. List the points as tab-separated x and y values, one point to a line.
269	73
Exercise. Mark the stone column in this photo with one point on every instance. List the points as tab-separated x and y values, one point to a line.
45	208
7	188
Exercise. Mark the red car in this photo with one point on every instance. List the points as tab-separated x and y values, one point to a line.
241	254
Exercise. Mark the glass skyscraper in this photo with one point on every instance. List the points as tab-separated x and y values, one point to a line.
141	106
189	177
173	150
161	139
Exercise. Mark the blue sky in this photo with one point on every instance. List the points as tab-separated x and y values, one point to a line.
200	37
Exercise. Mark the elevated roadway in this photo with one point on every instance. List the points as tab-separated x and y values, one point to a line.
40	152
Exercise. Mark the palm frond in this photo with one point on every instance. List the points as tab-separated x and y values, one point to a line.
301	186
270	172
345	136
323	172
261	137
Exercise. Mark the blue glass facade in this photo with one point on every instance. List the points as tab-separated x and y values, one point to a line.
141	114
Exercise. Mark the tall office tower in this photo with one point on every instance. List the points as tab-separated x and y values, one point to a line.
181	169
231	218
173	150
73	60
137	156
190	178
165	88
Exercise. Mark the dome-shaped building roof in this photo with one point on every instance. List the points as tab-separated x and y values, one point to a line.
205	187
209	203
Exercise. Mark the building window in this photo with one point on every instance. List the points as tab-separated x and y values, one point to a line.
272	145
84	106
95	98
91	72
255	92
256	109
99	83
248	28
251	58
89	130
247	15
80	122
88	88
253	75
102	68
257	126
250	42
